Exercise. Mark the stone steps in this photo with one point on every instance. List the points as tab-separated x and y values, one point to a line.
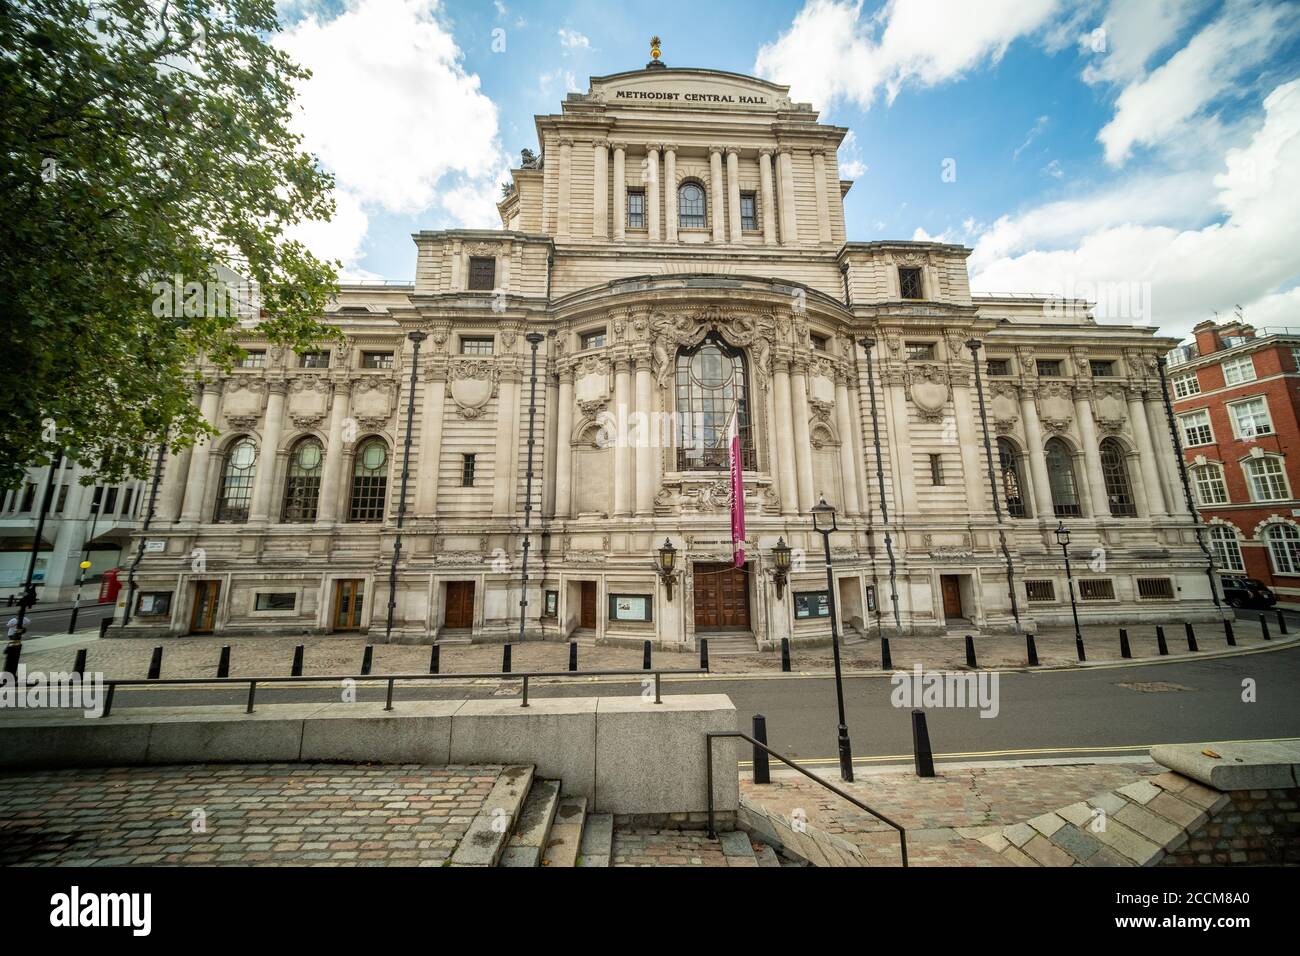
485	841
528	838
723	645
550	830
597	840
565	839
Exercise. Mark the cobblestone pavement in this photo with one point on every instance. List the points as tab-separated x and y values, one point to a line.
944	815
263	814
124	658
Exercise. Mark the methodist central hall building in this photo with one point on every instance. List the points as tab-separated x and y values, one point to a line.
679	246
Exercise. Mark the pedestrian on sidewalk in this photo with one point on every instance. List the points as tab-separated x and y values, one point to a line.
13	625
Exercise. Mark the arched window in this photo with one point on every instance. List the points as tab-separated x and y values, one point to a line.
369	481
236	489
1226	547
711	385
302	486
1060	479
1267	479
1210	487
690	205
1012	486
1114	472
1284	546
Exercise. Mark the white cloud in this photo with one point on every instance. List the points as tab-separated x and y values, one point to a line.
851	166
557	82
573	41
1034	132
1053	169
853	169
834	51
1131	34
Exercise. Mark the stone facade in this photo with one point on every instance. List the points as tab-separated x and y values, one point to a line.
675	215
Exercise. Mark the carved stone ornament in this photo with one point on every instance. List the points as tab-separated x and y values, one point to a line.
1110	426
689	329
307	422
584	557
926	386
1057	426
955	339
821	410
242	422
1005	426
592	407
471	384
458	557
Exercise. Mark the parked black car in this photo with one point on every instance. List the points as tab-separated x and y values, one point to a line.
1241	591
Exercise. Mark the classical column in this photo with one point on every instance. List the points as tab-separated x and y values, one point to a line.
172	494
670	191
784	426
331	485
1043	505
431	412
766	194
859	443
644	447
566	183
458	282
716	190
652	192
848	458
620	192
600	190
970	445
823	207
1091	453
503	474
802	437
622	390
268	459
196	481
901	448
1166	461
789	223
733	192
563	448
1137	416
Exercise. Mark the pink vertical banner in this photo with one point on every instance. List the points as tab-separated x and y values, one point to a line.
737	491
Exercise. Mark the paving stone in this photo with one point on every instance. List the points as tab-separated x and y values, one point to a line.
1080	814
1110	802
1173	808
1047	824
1108	857
1128	844
1140	792
1018	834
1155	828
1047	853
1078	843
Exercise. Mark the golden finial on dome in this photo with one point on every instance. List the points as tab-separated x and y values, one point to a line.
654	48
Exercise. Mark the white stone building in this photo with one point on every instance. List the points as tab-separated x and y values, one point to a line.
681	249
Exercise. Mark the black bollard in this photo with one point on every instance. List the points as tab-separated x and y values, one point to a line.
435	659
704	653
223	663
573	655
1031	650
1078	648
1124	650
12	652
785	654
11	600
970	652
1263	626
645	655
79	666
1281	623
1191	636
762	772
1160	641
886	659
155	664
505	659
367	658
924	758
104	626
295	669
1228	635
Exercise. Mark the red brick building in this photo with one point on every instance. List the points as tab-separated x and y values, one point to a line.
1236	396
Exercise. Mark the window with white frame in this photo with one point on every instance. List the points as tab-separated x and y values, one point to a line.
1251	418
1210	486
1295	357
1267	479
1196	428
1186	385
1226	548
1238	370
1284	547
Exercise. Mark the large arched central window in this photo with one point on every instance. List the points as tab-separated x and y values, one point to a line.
302	485
1060	479
1114	472
235	492
369	481
711	385
690	206
1012	486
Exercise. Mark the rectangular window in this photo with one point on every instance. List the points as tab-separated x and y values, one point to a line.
63	499
1210	487
552	608
593	340
631	607
818	342
376	359
475	345
998	367
1227	551
748	212
154	603
1295	357
1040	591
1267	479
277	601
467	471
252	359
29	497
936	470
1101	369
482	273
919	351
1049	368
636	208
126	500
1096	589
1155	589
314	359
1186	385
811	604
1196	428
110	501
1251	418
909	283
96	498
1238	370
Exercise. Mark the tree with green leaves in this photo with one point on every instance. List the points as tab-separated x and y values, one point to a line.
146	165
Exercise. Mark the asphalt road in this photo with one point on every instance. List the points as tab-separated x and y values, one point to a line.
48	621
1099	710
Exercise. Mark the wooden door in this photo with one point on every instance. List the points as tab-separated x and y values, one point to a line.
951	596
460	604
721	597
349	597
588	605
203	616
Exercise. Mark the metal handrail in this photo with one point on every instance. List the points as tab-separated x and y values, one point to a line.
390	679
708	745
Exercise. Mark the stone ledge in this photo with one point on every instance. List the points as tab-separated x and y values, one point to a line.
1253	765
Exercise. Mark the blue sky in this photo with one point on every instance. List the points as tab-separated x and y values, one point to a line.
1097	144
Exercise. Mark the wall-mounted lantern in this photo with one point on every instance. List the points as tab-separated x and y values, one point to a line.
781	562
667	566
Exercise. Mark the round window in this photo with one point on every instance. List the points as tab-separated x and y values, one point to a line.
374	456
309	456
242	455
710	367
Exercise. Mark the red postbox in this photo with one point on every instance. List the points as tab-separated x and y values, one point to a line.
109	586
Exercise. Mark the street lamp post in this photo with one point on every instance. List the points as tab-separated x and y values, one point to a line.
416	338
144	528
85	565
533	339
14	649
868	344
1063	539
824	523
